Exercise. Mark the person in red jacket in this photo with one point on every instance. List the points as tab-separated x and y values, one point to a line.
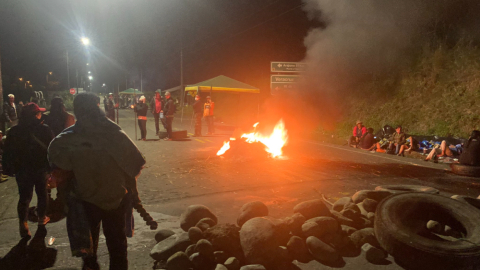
358	131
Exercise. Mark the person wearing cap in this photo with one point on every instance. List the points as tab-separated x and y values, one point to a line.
58	118
110	108
208	114
397	140
169	112
25	156
358	131
10	112
103	163
156	107
141	108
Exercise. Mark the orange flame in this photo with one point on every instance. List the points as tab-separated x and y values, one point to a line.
274	142
225	147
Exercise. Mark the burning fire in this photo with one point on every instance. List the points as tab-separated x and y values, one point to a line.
225	147
273	142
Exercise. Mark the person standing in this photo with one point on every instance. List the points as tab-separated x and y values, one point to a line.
156	107
169	112
10	112
103	163
58	118
25	155
208	114
110	109
197	110
141	109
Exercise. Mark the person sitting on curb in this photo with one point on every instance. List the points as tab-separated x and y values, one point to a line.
444	151
368	142
358	131
397	140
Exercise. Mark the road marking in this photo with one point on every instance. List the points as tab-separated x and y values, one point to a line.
190	134
370	154
199	140
207	140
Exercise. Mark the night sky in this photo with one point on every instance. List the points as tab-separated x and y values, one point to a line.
233	38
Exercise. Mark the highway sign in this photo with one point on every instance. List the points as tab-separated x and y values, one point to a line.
284	82
288	67
73	91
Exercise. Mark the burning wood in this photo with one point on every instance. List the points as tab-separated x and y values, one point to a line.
273	142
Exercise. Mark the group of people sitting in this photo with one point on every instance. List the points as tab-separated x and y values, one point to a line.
397	142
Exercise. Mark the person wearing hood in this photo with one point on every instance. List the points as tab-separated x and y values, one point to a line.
58	118
102	164
25	156
141	108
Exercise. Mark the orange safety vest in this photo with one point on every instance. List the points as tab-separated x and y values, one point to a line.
208	109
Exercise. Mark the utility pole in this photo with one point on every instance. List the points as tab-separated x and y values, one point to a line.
1	88
182	89
68	73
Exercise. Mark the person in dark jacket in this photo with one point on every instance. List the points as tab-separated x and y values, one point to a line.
156	107
368	142
471	152
198	110
141	108
110	107
169	113
25	155
10	112
58	118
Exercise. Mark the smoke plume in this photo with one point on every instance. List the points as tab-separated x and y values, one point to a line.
366	39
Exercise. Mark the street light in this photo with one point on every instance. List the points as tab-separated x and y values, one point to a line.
85	41
20	79
103	85
89	72
90	78
87	64
50	73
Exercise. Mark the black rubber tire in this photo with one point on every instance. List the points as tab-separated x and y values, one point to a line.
465	170
408	188
400	222
466	199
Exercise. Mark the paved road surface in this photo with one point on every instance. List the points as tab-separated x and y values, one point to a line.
181	173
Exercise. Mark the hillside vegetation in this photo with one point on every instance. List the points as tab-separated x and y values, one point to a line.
439	94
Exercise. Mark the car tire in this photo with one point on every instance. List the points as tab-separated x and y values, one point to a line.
408	188
400	227
465	170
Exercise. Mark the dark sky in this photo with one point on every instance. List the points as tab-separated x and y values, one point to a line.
234	38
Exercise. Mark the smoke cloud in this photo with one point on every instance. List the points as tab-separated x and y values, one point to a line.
364	39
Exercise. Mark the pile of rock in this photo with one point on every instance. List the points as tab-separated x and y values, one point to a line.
317	230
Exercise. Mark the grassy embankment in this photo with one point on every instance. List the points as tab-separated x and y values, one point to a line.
439	94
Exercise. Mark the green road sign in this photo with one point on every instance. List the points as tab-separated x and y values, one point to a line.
288	67
280	83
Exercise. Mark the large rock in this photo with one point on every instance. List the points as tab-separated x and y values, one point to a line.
311	209
232	263
259	242
340	203
348	230
373	254
200	261
190	250
205	223
221	267
363	236
204	247
297	248
166	248
220	257
251	210
321	251
253	267
195	234
179	261
163	234
328	224
294	223
193	214
225	237
370	205
377	195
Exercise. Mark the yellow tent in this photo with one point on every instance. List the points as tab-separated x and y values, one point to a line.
221	84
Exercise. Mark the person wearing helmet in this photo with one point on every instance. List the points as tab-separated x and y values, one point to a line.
208	114
110	108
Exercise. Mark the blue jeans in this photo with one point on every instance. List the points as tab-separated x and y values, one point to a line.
26	181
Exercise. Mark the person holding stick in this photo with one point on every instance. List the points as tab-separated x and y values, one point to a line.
98	163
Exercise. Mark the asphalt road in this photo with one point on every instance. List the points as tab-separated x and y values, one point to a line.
181	173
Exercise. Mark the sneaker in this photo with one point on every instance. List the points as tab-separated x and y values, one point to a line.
167	139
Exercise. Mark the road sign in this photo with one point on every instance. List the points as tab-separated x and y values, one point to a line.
73	91
288	67
284	82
